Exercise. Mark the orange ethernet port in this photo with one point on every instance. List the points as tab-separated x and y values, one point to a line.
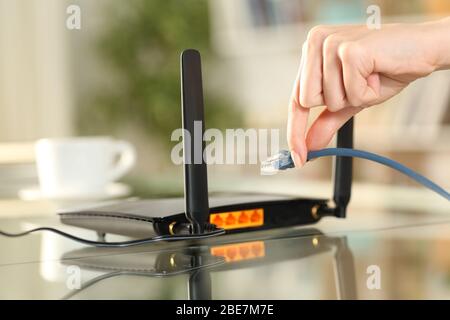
218	221
243	217
238	219
255	216
230	220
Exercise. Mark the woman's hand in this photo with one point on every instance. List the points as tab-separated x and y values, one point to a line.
349	68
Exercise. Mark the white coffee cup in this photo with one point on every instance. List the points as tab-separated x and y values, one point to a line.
68	167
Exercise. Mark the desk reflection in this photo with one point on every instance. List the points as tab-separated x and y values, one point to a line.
199	260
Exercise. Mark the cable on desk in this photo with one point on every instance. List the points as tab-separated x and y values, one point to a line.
120	244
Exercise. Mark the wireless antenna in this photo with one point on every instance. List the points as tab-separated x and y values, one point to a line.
195	174
343	170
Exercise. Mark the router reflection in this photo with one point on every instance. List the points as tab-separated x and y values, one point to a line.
199	261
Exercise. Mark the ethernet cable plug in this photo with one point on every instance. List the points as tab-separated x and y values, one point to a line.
281	161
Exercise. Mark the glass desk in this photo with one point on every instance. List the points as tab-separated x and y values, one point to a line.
406	252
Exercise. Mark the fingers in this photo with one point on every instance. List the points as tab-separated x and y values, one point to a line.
332	82
297	123
311	73
326	125
362	87
311	81
337	72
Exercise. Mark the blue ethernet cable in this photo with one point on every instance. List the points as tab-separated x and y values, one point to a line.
283	161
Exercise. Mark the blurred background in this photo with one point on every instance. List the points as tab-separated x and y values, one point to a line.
118	75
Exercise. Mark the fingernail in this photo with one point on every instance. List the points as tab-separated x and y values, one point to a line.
297	159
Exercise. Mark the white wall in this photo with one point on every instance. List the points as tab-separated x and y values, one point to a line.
35	97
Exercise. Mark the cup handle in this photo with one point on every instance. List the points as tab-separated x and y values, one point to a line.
127	158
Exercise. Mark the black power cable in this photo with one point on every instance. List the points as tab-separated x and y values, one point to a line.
120	244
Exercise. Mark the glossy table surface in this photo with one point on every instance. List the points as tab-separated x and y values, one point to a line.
370	255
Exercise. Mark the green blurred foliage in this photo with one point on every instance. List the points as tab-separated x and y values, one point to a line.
142	44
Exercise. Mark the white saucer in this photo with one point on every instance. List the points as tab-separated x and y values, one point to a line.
113	190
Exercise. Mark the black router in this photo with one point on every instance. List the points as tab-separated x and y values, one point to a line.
197	213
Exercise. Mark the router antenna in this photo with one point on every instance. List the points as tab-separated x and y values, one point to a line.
195	171
343	170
